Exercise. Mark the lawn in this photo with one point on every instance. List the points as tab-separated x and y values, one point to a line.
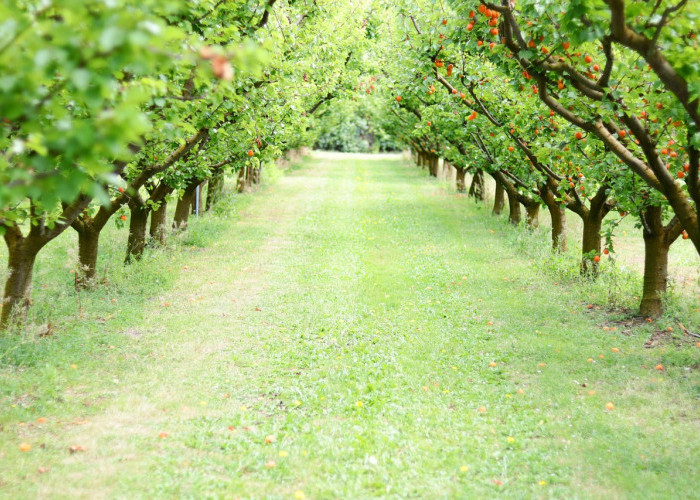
351	330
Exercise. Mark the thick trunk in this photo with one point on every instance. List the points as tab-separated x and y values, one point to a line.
182	209
476	190
138	224
88	245
657	241
557	212
460	183
18	284
216	187
590	244
532	210
157	229
499	198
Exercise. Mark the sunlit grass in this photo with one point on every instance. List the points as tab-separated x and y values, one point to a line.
349	331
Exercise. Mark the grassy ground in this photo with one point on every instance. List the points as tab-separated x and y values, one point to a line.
350	331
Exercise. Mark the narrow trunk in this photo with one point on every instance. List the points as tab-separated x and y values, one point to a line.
499	198
434	165
558	214
157	230
460	183
182	209
532	210
514	213
138	224
88	245
476	190
197	201
590	244
656	245
242	181
216	186
18	285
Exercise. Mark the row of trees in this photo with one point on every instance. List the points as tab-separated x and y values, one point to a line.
578	106
110	109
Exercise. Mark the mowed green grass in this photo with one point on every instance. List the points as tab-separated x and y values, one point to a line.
330	336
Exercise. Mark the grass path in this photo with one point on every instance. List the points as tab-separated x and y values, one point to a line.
349	316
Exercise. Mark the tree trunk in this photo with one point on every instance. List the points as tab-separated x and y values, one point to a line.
657	241
514	213
216	187
18	284
157	230
434	165
88	245
182	209
557	212
242	181
499	198
138	223
476	190
591	243
460	183
532	210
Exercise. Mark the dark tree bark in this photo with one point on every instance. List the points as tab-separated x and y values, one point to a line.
499	198
532	211
592	218
476	190
157	230
183	207
557	212
138	224
657	241
18	285
88	247
460	183
434	159
214	191
22	251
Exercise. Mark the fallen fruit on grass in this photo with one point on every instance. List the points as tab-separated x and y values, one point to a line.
493	364
270	438
271	464
659	367
481	409
162	435
40	420
25	447
615	349
520	391
609	406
